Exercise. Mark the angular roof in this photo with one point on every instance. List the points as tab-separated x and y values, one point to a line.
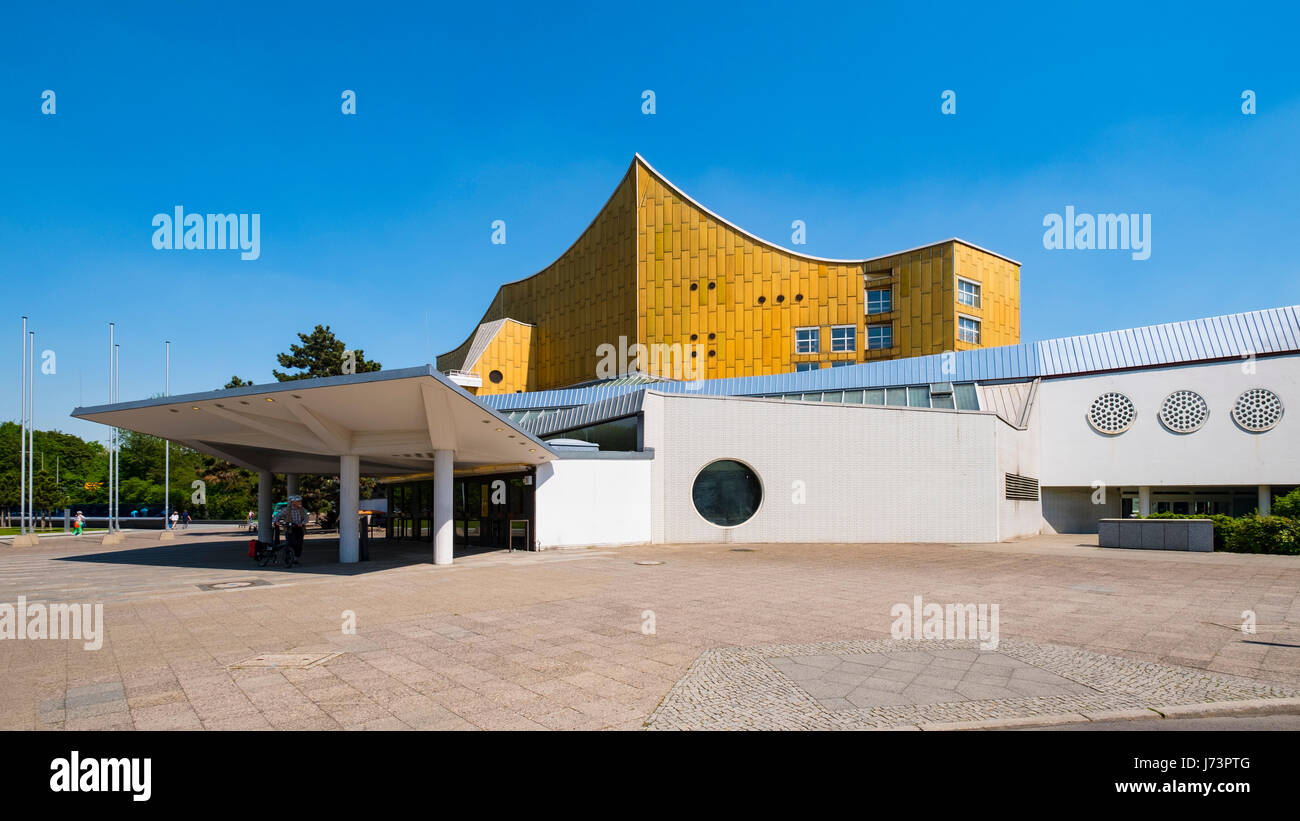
1261	333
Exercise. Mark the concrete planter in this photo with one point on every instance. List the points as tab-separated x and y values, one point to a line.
1157	534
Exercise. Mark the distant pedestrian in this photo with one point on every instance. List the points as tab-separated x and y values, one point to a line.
176	519
77	522
252	521
185	520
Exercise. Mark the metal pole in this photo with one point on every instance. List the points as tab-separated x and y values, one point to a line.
117	458
111	431
31	428
167	445
22	439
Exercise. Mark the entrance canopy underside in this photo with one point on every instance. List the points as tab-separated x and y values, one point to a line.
393	421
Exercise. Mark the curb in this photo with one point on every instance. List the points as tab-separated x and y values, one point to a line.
1256	706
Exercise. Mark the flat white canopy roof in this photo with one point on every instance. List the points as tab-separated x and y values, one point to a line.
393	420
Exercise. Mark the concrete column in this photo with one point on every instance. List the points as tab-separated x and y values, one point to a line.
1144	501
443	526
1265	500
349	502
291	484
264	479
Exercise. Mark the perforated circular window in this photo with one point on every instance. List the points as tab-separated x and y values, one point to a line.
1111	413
1184	411
1257	410
495	377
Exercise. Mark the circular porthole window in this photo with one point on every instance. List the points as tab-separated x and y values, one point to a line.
727	493
1257	410
762	299
1184	411
1111	413
495	377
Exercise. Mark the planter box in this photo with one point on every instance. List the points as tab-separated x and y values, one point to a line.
1157	534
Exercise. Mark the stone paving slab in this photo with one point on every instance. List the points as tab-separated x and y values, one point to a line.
559	640
886	683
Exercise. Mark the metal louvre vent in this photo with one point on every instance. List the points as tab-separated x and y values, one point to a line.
1022	488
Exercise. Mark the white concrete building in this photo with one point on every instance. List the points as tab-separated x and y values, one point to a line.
976	446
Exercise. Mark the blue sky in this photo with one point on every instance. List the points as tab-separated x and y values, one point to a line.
765	114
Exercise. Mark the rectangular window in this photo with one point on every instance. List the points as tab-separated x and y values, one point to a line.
873	396
968	329
880	302
896	397
968	293
807	340
799	367
880	336
844	338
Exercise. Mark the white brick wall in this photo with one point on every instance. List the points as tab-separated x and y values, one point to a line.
872	474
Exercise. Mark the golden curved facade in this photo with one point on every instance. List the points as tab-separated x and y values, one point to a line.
656	268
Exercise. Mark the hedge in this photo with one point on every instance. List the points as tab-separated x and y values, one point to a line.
1249	534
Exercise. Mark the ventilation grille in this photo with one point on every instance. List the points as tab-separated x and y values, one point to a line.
1112	413
1184	411
1022	488
1257	410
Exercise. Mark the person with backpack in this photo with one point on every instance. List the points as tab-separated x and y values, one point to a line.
77	522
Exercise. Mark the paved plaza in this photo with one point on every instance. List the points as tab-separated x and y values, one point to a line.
780	636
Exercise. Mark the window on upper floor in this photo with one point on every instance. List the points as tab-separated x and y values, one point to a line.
807	340
880	336
844	338
800	367
880	301
968	329
968	292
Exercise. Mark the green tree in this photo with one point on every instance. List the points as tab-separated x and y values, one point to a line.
236	382
320	354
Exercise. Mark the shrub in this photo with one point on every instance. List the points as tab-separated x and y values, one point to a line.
1224	525
1264	534
1288	505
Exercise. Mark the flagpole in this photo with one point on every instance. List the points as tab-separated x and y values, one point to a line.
112	433
167	445
31	428
22	441
117	436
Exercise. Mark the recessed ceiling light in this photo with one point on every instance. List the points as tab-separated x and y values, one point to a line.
195	407
532	450
500	429
269	399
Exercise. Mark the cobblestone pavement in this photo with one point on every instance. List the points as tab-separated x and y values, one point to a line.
887	683
588	639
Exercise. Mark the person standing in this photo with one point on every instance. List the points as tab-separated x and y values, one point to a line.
294	517
77	522
176	519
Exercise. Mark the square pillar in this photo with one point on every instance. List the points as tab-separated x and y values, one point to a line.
264	479
290	484
349	502
1144	501
1265	500
443	526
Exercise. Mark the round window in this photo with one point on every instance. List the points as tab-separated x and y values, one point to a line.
727	493
495	377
